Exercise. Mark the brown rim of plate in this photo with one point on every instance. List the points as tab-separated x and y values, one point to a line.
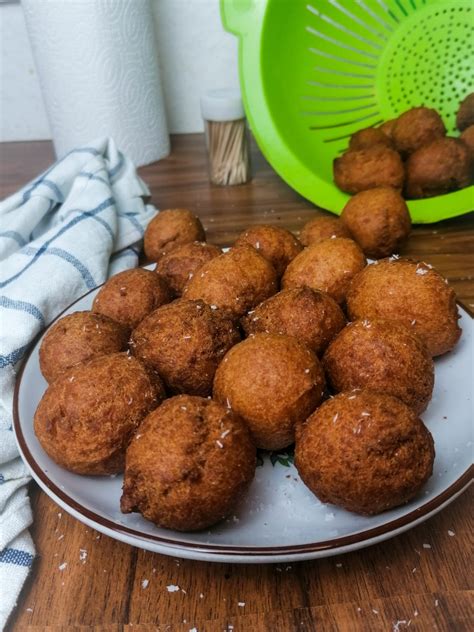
312	547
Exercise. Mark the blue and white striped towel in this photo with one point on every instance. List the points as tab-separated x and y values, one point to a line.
81	221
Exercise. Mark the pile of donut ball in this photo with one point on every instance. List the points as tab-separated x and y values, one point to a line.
411	154
177	375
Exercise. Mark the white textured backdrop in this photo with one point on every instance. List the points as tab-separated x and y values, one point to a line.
195	53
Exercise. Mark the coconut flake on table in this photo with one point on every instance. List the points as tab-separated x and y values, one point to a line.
145	583
172	588
62	566
83	555
451	533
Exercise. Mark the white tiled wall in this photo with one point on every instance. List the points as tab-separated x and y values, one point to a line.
196	55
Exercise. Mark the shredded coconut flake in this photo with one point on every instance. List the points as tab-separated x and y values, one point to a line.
145	583
172	588
421	271
220	444
62	566
83	555
426	545
334	419
241	604
451	533
225	433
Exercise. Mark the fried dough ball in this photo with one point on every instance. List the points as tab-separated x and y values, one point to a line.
130	295
184	341
79	337
467	138
273	382
311	316
182	263
369	137
387	127
378	220
234	282
442	166
417	127
384	356
465	115
358	170
189	465
87	417
169	229
276	244
328	266
410	293
365	451
321	228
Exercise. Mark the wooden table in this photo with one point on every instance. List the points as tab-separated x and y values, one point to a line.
420	579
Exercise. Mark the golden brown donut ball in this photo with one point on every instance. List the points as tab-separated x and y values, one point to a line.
182	263
130	295
234	282
328	266
365	451
387	127
273	382
467	138
79	337
378	220
417	127
184	341
276	244
321	228
311	316
87	417
384	356
189	464
412	294
465	115
440	167
358	170
369	137
169	229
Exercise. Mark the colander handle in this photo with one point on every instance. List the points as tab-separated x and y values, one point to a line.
237	15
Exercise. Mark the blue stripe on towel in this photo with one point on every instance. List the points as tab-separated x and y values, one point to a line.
67	256
13	357
17	557
105	204
132	220
79	150
12	234
22	306
92	176
118	166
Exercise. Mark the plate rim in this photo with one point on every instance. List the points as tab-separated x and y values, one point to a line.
332	546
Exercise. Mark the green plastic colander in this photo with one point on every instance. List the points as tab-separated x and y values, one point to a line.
312	73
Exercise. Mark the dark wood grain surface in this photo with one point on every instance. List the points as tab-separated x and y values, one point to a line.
421	580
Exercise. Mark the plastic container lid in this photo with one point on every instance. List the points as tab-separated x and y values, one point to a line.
222	105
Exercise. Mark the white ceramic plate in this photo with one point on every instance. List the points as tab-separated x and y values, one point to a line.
280	519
